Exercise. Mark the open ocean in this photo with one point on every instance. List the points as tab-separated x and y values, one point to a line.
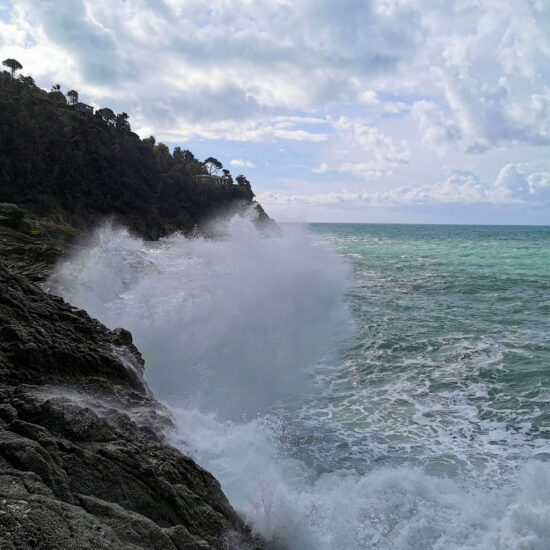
352	386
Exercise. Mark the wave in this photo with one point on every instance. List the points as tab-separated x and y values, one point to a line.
386	508
231	329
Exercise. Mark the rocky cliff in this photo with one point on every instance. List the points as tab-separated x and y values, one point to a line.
83	462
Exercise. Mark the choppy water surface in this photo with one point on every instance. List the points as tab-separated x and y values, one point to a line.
449	366
352	386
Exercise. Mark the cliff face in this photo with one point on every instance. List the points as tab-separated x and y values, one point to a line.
83	463
77	168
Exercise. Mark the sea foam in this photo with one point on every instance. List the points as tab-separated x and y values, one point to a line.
231	329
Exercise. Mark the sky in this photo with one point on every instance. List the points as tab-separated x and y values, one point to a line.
412	111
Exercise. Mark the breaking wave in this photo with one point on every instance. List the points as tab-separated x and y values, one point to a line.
241	332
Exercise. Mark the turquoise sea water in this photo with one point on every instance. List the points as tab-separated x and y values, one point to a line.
449	363
382	387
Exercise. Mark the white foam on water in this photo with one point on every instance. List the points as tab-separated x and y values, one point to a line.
387	508
230	329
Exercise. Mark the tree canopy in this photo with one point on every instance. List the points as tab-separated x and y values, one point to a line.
60	162
13	65
73	97
107	115
213	166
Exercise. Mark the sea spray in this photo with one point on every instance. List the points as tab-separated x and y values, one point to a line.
404	436
387	508
230	324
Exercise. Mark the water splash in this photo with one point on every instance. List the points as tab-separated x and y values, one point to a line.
229	324
233	325
399	508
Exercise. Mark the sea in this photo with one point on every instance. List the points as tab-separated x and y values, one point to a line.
351	386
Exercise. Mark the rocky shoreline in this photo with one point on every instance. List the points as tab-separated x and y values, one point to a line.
83	462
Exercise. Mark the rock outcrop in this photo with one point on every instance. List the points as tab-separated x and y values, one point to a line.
29	246
83	463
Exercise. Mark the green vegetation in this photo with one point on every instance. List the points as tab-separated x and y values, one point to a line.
57	155
13	65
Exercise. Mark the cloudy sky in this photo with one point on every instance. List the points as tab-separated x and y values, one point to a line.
433	111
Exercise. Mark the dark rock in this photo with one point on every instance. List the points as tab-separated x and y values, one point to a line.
122	337
83	463
28	254
11	215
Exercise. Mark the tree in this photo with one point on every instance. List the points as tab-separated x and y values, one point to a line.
26	80
73	97
245	187
107	115
57	94
162	154
187	157
177	154
213	166
150	141
242	181
121	122
227	176
13	65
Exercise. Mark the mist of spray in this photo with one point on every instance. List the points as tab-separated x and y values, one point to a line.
230	324
233	325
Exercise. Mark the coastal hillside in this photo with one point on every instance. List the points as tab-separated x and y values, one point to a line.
83	459
75	165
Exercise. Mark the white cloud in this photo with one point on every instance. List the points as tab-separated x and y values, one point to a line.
239	130
370	97
240	163
516	183
236	60
322	169
454	190
523	182
377	152
436	130
244	60
491	67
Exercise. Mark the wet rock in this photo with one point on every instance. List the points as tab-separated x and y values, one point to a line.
83	462
11	215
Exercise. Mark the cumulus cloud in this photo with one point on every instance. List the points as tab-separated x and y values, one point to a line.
370	97
244	59
377	153
240	163
491	72
436	130
523	182
236	60
456	189
516	183
235	130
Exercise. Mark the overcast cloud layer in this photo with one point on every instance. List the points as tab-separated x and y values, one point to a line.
356	110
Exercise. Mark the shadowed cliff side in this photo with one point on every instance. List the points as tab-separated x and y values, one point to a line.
62	161
83	463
